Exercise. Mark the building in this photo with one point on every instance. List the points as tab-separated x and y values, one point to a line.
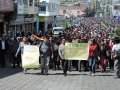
48	10
106	7
6	10
116	8
74	7
24	19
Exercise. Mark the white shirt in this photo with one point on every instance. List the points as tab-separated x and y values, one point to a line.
116	47
61	50
3	45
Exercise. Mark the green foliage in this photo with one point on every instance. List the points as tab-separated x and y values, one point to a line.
117	32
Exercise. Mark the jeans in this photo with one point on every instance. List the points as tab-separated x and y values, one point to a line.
45	64
92	63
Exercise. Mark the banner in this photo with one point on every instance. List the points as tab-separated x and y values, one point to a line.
30	58
76	51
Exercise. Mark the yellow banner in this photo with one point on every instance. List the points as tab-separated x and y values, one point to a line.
30	58
76	51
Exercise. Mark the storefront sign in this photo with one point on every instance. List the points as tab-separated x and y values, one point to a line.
22	9
19	20
29	19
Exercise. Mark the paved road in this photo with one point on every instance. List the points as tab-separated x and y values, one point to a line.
14	79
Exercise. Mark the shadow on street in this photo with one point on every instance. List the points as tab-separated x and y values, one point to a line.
5	72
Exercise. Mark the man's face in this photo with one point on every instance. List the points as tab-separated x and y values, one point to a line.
46	40
63	41
50	38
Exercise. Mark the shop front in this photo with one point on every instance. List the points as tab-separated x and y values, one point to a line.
22	25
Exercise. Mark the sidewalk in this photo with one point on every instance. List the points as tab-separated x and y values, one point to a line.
14	79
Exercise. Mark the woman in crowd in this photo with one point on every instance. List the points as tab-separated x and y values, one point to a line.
93	54
21	48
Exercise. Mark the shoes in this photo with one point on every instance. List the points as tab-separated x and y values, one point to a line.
46	74
65	74
25	70
93	74
90	73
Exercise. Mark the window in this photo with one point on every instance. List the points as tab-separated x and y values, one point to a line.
49	7
20	2
116	7
25	2
42	8
36	2
30	2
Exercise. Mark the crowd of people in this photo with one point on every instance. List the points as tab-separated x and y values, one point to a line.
90	30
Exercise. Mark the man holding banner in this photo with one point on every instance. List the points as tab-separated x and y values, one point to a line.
73	51
46	51
61	52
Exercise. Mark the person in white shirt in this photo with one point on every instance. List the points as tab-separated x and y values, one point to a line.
61	50
116	55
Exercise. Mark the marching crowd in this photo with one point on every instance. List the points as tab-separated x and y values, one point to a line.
102	48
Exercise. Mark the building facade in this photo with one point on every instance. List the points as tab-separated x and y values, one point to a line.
116	8
105	8
6	11
24	19
48	10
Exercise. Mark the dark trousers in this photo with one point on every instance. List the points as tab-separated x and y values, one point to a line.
65	67
2	58
111	62
56	62
75	64
15	60
84	63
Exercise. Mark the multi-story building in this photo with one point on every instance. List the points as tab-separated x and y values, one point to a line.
106	7
6	10
116	8
48	10
74	7
24	19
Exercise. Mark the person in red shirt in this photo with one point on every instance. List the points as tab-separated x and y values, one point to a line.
103	56
93	54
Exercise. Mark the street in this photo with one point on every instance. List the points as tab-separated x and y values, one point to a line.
14	79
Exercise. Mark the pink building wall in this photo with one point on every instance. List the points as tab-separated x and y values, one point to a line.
6	5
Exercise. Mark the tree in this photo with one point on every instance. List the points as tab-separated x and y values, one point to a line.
117	32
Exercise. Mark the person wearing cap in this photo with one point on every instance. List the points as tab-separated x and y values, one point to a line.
45	53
